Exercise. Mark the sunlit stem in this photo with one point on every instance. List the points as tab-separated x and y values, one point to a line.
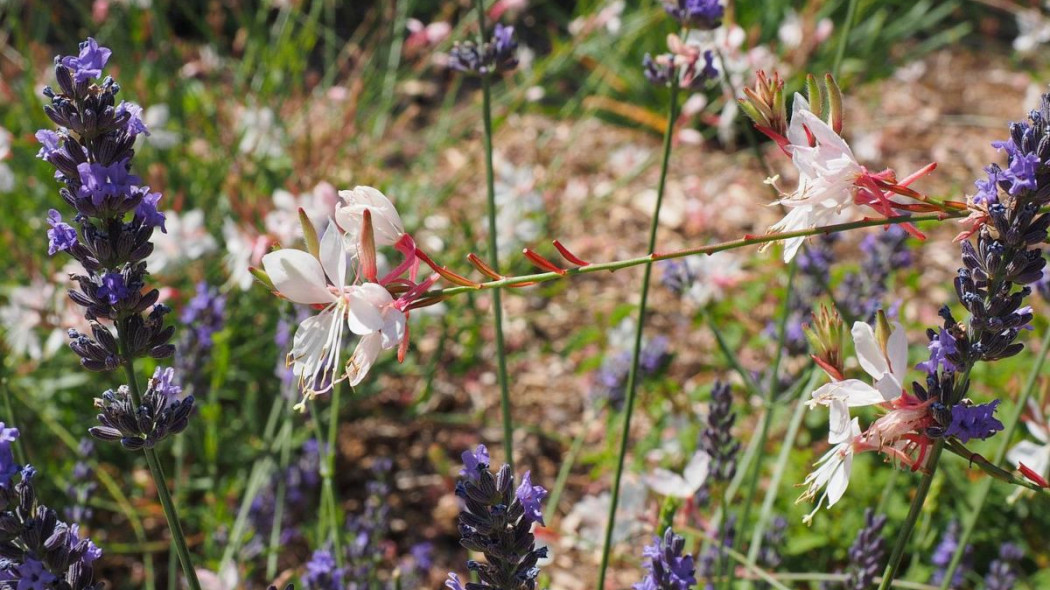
172	515
913	515
632	377
543	277
497	299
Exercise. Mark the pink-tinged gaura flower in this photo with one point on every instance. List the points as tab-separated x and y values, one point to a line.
900	433
367	310
833	187
885	362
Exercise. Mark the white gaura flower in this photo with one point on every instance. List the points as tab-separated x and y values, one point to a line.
366	310
386	223
669	483
887	366
828	173
831	474
187	239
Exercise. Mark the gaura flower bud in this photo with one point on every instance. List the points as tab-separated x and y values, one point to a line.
765	104
828	337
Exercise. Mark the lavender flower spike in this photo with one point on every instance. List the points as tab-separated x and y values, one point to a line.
668	568
867	553
497	521
701	14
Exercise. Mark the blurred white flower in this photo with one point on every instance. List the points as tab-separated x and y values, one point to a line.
36	318
1033	30
261	134
518	207
186	240
703	278
7	177
668	483
156	119
1033	455
244	248
584	526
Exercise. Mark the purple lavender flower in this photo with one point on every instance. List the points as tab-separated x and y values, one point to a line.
1003	572
136	125
453	583
701	14
495	56
494	521
988	188
40	549
89	63
61	236
868	552
100	183
942	345
161	413
113	288
49	144
474	462
942	557
204	315
769	556
8	467
668	568
147	211
531	497
1022	166
976	421
322	573
658	71
610	380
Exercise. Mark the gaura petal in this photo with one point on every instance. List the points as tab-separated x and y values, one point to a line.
869	353
362	316
364	356
297	276
333	255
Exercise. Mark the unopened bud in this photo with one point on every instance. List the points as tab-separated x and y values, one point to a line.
827	336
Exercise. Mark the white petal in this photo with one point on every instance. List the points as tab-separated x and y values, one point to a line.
368	349
308	344
332	255
869	353
386	223
696	470
668	483
362	317
795	133
853	392
375	294
298	276
394	323
838	422
889	387
1035	457
897	352
839	479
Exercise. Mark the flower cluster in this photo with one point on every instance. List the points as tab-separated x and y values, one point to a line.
39	550
1003	571
339	275
497	521
161	413
493	57
610	379
991	286
942	557
686	63
717	441
116	215
82	484
700	14
300	479
668	568
833	187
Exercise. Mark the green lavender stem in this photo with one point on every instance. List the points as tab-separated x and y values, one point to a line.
178	538
986	484
543	277
632	377
913	515
497	299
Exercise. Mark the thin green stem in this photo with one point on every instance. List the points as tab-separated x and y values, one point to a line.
632	376
497	299
750	240
769	394
986	484
282	490
847	26
172	515
781	466
333	506
913	515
